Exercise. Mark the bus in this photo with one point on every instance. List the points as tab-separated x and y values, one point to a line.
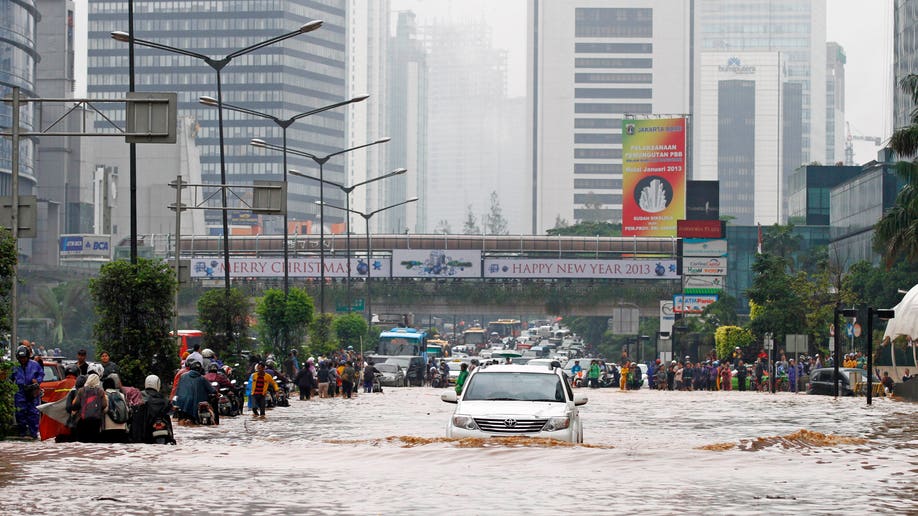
188	339
506	327
402	341
474	339
437	348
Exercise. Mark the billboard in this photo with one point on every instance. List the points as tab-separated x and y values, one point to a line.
704	247
710	266
702	200
85	246
692	304
653	176
212	267
548	268
436	263
700	228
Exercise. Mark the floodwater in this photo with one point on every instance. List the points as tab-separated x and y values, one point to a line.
648	452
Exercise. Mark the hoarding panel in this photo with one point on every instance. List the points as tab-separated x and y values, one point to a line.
436	263
549	268
212	267
692	304
653	176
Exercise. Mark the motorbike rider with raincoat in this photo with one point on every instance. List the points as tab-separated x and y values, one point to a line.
28	376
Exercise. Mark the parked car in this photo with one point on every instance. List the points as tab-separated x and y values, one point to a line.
415	367
392	375
516	400
822	380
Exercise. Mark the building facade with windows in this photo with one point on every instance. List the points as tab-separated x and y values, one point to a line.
297	75
592	63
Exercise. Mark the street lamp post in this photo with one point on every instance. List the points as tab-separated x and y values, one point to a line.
321	161
283	124
884	314
847	312
366	218
217	64
347	204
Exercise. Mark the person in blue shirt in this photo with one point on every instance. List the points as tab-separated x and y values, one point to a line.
575	370
28	376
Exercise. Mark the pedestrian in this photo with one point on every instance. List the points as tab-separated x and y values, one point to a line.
108	367
369	376
88	408
81	362
793	374
260	382
741	374
348	375
28	376
463	376
726	377
322	377
305	382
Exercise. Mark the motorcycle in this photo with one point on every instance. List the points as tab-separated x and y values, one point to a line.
162	431
438	381
281	397
377	382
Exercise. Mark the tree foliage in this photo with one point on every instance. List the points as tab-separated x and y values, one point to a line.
321	335
350	329
780	308
7	265
283	320
134	309
219	310
470	226
587	228
495	223
443	228
69	308
727	338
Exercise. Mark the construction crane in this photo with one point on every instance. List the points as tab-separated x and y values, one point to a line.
849	143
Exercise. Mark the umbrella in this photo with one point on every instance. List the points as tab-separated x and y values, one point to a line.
506	353
906	320
56	410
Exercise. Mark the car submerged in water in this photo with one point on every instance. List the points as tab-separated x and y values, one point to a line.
516	400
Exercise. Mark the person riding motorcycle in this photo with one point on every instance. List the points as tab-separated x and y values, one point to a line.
27	376
193	388
156	408
215	374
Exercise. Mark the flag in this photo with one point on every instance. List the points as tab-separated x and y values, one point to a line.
759	248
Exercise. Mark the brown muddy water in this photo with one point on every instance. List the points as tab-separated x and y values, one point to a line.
645	452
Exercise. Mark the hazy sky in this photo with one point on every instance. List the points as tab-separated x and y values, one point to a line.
862	27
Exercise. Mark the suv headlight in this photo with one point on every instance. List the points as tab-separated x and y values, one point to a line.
556	423
465	423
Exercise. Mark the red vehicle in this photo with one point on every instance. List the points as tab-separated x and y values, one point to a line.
189	339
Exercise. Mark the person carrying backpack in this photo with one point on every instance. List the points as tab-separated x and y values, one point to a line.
89	407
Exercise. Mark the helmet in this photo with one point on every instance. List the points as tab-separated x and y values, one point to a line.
72	370
190	363
196	366
717	362
213	368
270	363
23	351
310	360
152	382
227	369
207	353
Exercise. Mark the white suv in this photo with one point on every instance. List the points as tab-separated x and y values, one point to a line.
509	400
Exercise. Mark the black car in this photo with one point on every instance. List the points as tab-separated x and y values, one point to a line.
822	380
415	367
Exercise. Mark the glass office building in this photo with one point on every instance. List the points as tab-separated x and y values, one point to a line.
18	58
284	79
808	192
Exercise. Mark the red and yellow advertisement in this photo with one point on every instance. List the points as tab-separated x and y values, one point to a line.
653	176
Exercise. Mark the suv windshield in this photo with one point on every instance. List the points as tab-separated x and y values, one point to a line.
515	387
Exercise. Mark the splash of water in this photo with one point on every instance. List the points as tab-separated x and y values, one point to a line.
409	441
800	439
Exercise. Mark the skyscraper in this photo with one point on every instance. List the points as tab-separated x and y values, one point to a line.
835	103
591	64
297	75
905	57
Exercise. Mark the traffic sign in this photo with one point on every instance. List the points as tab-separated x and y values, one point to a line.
849	330
857	330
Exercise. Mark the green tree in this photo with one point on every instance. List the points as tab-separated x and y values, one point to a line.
592	208
66	306
781	240
470	226
728	338
321	335
778	308
217	307
134	309
282	322
443	228
587	228
720	313
7	388
495	223
351	329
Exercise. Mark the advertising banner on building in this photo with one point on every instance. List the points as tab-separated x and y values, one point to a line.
667	316
436	263
700	228
653	176
694	304
712	266
706	283
548	268
212	267
85	246
704	247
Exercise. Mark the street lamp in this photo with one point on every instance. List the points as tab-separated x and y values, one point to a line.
847	312
347	204
883	314
319	160
217	64
366	218
283	124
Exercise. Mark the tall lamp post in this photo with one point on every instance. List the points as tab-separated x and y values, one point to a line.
883	314
366	218
321	161
847	312
347	205
283	124
217	64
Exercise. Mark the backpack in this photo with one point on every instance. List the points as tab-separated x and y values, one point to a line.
323	375
117	407
91	404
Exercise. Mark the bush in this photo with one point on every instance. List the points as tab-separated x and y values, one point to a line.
7	390
727	338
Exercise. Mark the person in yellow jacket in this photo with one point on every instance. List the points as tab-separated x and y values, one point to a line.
623	382
260	381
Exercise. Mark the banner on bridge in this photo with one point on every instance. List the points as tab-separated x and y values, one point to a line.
212	267
435	263
549	268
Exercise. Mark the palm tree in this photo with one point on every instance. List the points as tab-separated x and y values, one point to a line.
896	234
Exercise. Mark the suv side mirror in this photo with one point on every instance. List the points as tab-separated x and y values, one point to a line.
580	399
450	396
